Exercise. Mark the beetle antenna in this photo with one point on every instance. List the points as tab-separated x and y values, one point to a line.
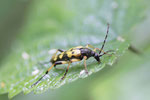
104	39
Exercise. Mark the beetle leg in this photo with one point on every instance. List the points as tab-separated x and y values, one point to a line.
60	62
107	53
56	63
43	75
94	49
85	58
103	51
66	71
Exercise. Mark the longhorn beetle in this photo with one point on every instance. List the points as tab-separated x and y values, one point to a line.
76	54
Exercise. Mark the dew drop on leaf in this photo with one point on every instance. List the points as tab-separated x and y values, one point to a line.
25	56
121	39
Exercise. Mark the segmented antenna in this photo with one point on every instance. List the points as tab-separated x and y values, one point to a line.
105	39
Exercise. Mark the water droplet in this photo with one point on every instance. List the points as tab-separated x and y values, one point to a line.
25	56
121	39
41	88
35	72
82	72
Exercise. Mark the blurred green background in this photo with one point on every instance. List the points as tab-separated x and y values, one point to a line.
127	79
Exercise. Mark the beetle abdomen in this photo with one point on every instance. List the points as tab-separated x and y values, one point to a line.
74	53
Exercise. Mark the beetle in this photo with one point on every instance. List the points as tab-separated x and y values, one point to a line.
76	54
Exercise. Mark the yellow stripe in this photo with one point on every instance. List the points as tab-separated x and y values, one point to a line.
61	55
55	58
69	54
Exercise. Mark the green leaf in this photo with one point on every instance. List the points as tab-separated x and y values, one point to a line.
65	24
128	78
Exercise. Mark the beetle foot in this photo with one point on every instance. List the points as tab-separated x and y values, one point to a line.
62	78
86	71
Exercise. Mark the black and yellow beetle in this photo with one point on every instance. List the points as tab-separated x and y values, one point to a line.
76	54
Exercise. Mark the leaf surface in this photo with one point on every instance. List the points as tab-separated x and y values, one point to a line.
65	24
